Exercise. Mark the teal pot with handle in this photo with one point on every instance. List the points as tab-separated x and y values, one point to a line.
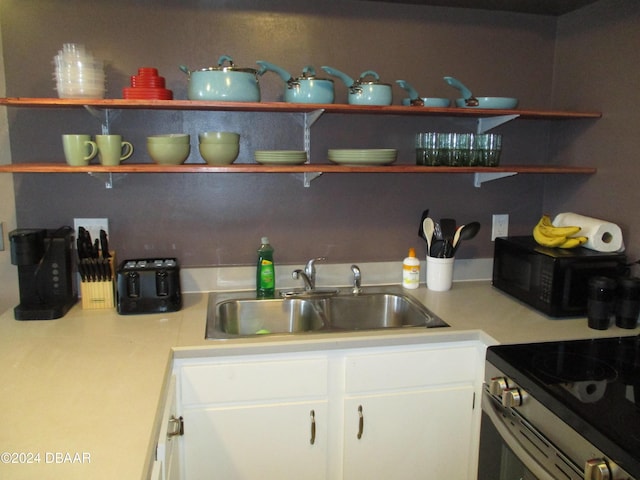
367	90
307	88
225	82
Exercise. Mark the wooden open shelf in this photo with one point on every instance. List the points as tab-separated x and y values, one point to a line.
309	170
306	168
288	107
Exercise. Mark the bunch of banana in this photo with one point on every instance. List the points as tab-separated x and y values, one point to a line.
562	237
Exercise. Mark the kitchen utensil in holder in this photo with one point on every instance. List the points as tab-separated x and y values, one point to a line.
99	294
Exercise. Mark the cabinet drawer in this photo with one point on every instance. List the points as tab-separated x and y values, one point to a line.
242	379
417	368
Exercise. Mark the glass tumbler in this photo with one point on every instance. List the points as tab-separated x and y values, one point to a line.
474	157
489	149
427	149
463	144
445	148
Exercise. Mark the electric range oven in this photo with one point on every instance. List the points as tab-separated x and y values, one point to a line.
562	410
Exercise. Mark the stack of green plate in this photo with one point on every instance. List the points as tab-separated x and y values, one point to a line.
281	157
369	156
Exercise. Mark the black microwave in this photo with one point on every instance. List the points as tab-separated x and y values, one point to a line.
554	281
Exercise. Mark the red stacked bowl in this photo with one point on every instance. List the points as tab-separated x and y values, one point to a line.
147	85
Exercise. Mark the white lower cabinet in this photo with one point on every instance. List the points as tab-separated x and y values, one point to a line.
402	412
414	410
409	435
255	417
257	441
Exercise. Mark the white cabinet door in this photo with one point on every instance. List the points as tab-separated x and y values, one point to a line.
255	417
408	435
414	410
285	440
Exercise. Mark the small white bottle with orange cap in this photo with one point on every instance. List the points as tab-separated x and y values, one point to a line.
411	271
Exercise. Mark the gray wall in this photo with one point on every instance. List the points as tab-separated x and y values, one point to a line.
217	219
597	66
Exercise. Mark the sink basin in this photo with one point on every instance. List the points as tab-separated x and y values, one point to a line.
379	310
241	317
236	317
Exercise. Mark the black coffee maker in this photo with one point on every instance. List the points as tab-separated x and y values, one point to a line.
43	258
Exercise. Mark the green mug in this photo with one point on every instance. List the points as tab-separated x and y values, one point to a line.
112	149
78	149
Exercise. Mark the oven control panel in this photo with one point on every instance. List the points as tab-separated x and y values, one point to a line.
505	389
528	427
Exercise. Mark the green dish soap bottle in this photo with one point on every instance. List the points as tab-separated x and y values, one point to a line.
265	271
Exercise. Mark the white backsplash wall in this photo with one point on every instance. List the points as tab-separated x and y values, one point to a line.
210	279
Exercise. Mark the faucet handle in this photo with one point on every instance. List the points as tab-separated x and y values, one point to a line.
308	285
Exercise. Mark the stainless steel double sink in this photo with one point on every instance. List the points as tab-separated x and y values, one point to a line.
240	315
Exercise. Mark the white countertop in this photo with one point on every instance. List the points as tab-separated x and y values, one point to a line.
84	389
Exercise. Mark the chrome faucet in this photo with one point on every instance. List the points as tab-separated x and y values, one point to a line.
310	272
357	279
308	286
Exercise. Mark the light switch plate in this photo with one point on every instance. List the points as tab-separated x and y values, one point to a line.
500	226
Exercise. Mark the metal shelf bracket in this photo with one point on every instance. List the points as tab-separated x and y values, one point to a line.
105	116
486	124
308	119
307	177
481	177
109	178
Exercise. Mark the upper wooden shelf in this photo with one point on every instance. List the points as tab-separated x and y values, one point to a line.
289	107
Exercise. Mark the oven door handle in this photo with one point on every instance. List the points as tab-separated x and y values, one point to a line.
512	442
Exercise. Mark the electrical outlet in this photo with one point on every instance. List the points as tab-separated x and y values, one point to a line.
93	225
500	226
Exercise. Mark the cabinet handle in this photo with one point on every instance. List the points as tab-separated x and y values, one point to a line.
313	427
360	422
176	427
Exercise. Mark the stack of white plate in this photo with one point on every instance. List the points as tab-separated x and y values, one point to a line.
77	73
367	156
281	157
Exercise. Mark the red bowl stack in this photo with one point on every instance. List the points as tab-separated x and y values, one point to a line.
147	85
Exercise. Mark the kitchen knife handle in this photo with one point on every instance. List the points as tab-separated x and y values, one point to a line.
104	244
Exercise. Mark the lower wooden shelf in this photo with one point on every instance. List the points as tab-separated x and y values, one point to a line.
306	168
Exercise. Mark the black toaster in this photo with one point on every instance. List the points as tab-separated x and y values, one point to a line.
148	285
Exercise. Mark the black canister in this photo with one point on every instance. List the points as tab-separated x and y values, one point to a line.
601	302
628	302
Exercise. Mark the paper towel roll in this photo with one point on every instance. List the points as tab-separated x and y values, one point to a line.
603	236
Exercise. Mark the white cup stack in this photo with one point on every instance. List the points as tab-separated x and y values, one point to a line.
77	73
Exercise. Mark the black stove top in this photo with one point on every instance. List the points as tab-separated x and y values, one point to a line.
593	385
